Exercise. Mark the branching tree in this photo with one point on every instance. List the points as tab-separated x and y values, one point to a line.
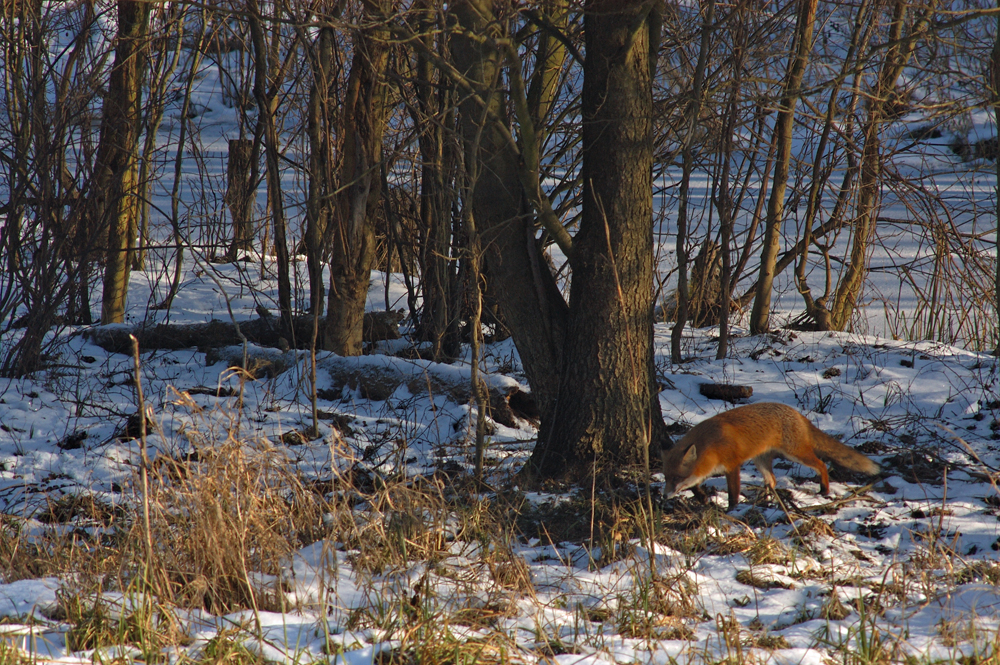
363	118
322	176
590	363
115	206
267	80
798	59
901	44
608	411
433	116
995	90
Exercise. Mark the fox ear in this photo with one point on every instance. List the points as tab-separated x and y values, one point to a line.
690	457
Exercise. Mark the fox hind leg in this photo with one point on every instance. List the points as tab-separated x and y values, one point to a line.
763	464
808	458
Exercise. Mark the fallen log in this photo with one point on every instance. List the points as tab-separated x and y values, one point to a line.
263	331
378	377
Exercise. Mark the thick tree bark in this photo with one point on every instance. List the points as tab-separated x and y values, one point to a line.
520	280
801	48
363	117
115	202
607	410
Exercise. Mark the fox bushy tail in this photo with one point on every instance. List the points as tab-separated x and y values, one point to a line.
831	450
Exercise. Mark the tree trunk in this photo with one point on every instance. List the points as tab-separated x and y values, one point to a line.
239	196
607	410
801	48
725	202
322	185
363	116
816	308
265	94
116	204
693	114
438	323
995	84
869	188
520	280
550	57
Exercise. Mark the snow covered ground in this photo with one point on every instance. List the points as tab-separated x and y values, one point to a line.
427	568
906	566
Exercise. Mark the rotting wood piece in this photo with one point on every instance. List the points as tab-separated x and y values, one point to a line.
727	392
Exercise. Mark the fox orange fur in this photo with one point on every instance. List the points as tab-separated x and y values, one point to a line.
759	432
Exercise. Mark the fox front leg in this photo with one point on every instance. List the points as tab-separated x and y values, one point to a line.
733	485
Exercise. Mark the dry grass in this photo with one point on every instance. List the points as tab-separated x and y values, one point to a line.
228	515
234	509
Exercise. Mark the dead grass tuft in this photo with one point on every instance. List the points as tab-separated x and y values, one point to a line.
509	571
405	522
979	571
10	654
770	642
228	648
32	551
234	512
833	609
769	550
97	623
759	580
814	527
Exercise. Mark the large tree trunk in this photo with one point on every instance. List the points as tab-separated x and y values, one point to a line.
607	410
528	297
353	238
801	48
115	204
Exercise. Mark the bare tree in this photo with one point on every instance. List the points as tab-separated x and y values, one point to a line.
322	177
267	79
799	58
693	114
995	84
434	113
608	411
114	205
363	119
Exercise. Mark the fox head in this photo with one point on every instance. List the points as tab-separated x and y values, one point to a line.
678	463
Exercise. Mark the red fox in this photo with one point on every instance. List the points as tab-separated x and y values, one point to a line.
724	442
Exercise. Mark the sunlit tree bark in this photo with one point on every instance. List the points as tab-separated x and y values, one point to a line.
799	58
116	205
869	188
607	411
